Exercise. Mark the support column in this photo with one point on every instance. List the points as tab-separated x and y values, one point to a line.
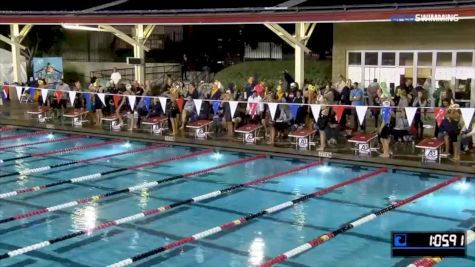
14	34
139	53
299	54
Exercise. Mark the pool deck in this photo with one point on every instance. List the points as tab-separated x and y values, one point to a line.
14	114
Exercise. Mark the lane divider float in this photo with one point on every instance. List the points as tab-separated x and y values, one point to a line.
362	220
432	261
61	151
74	162
242	220
98	175
57	140
43	244
6	129
23	135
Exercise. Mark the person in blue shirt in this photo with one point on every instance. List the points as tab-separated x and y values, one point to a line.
356	97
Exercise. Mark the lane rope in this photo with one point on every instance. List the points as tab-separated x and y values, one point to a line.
432	261
74	162
57	140
237	222
23	135
7	129
42	244
362	220
97	175
63	151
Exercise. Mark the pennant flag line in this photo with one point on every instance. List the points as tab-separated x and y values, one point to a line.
467	115
44	95
410	113
59	95
19	92
439	114
233	106
102	97
198	103
116	99
316	111
72	96
361	113
180	102
147	101
272	109
215	107
338	112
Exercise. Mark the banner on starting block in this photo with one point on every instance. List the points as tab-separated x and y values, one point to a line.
249	138
303	142
200	133
364	148
431	154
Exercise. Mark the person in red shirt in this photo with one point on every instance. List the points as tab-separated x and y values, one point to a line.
260	89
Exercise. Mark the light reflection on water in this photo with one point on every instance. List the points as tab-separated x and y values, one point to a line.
85	217
144	198
256	251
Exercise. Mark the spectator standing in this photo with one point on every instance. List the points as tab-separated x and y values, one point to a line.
420	102
371	91
345	100
254	107
115	76
356	96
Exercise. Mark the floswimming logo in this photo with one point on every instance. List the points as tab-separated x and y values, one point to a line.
425	18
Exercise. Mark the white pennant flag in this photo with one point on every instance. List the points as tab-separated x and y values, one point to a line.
316	111
410	113
163	103
132	99
233	105
44	94
198	103
272	109
19	92
467	115
72	96
102	98
361	113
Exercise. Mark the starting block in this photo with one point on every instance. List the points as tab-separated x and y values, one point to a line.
77	116
157	124
364	143
40	113
302	138
431	149
250	133
200	127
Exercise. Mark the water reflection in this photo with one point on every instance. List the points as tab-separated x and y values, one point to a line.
199	255
144	197
256	251
85	217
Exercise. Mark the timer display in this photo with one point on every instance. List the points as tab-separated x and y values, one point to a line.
420	244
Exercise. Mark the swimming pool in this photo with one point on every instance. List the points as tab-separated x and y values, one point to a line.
103	180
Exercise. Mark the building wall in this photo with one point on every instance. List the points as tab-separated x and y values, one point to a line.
398	36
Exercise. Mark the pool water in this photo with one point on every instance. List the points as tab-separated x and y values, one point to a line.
451	208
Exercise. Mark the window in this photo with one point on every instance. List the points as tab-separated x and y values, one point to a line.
371	58
424	59
444	59
388	59
464	59
406	59
354	58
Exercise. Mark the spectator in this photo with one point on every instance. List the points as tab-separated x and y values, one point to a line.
345	100
436	95
227	118
282	121
420	102
64	87
173	114
450	131
124	106
188	111
115	76
260	89
384	131
254	107
267	121
356	96
401	127
184	67
371	91
323	121
251	83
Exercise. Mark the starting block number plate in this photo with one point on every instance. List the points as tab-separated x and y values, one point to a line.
431	154
364	148
249	138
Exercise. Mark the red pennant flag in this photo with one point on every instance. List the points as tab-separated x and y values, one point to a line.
116	100
439	114
338	112
253	109
59	95
180	102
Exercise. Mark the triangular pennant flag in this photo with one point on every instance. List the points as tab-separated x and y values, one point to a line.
361	113
467	115
272	109
386	114
316	111
32	92
293	110
253	109
180	102
410	113
44	94
215	106
19	92
198	103
59	95
439	114
163	103
132	99
233	105
72	97
338	112
102	97
87	97
116	99
147	101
